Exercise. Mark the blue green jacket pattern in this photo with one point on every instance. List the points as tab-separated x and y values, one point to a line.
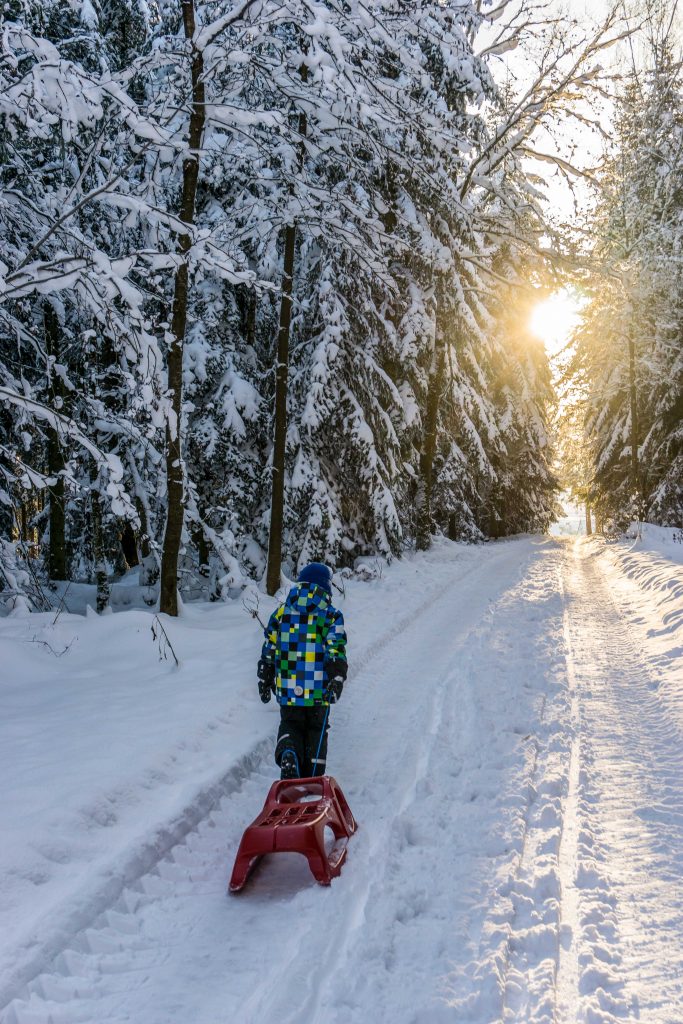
301	636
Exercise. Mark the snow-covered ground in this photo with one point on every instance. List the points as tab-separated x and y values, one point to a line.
510	741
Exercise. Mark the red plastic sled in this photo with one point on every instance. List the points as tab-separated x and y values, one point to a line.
293	820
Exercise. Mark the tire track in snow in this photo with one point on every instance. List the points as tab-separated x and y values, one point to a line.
525	911
97	897
566	983
319	955
586	923
628	940
465	821
98	945
340	939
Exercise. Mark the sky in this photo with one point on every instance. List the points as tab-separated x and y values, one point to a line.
584	147
554	319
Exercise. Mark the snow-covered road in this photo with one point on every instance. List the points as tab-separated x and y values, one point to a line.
511	746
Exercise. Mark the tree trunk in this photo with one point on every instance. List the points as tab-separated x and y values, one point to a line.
55	457
277	501
129	547
101	579
174	465
589	525
635	462
250	318
143	536
202	551
149	569
24	527
423	527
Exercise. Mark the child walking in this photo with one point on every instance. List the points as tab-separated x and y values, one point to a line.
303	662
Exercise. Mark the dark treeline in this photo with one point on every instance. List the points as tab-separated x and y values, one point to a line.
265	271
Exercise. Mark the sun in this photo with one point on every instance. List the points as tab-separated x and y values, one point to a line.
554	319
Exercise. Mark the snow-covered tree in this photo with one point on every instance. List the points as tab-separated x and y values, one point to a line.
629	351
65	272
259	263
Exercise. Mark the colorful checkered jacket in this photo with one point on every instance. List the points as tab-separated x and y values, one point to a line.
302	635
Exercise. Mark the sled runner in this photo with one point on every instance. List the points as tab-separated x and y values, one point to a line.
293	820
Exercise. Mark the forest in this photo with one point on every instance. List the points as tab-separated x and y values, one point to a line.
267	269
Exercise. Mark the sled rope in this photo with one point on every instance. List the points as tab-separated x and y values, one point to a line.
320	741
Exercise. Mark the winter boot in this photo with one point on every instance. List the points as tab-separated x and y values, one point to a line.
289	768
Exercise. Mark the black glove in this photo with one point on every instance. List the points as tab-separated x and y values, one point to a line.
336	674
266	680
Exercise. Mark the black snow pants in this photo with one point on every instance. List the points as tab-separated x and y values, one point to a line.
300	731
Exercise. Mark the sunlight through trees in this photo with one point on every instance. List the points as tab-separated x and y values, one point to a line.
270	282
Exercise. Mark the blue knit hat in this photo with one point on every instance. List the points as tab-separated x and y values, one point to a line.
317	573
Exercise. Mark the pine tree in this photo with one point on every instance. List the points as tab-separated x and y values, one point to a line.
628	350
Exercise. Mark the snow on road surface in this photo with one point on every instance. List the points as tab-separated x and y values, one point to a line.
510	741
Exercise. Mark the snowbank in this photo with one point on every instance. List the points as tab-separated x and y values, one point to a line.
646	575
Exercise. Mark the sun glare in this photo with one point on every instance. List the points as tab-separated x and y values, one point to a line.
554	319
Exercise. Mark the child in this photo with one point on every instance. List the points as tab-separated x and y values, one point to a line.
303	662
